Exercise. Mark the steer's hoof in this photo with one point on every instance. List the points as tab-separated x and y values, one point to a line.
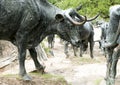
81	56
27	78
110	81
105	78
92	57
42	70
67	55
51	52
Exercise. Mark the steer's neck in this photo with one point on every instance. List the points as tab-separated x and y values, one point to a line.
47	13
49	9
50	12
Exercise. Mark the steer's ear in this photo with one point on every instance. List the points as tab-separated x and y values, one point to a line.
59	17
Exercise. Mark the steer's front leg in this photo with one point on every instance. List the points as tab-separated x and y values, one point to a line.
66	49
91	41
21	57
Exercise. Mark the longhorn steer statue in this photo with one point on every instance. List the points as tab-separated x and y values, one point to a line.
26	23
103	26
86	35
113	44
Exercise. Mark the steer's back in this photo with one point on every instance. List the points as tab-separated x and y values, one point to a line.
86	30
113	23
12	13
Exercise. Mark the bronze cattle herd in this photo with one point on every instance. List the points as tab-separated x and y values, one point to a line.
25	23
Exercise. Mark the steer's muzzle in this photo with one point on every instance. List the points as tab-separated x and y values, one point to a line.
75	42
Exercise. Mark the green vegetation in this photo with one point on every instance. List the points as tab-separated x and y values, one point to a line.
48	76
37	74
90	7
51	77
86	60
38	78
11	76
98	81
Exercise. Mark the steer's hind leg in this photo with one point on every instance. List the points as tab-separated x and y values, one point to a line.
115	58
109	63
38	66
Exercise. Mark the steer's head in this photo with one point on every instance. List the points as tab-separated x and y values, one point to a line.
68	25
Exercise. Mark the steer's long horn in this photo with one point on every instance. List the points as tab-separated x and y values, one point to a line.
78	8
67	14
93	18
81	17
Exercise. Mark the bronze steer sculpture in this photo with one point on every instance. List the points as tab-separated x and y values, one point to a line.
112	44
103	26
86	35
26	23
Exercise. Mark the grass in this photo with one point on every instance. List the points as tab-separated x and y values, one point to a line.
44	79
86	60
11	75
51	77
37	74
47	76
